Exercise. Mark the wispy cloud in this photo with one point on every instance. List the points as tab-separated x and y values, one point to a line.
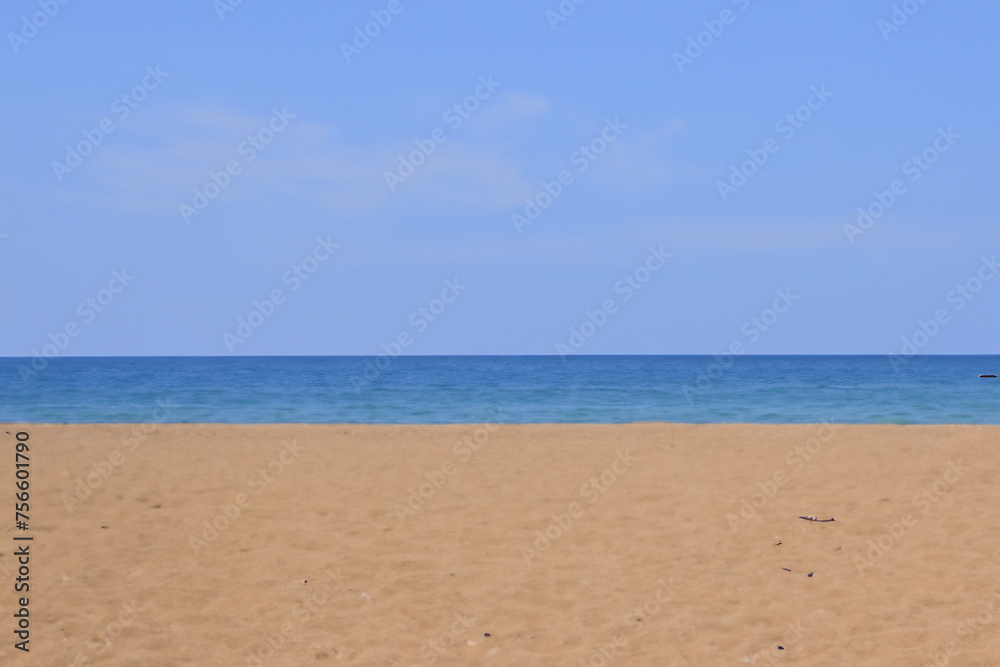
163	159
512	107
642	159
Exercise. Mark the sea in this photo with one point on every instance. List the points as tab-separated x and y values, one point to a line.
876	389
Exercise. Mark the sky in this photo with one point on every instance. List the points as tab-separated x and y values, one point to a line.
414	177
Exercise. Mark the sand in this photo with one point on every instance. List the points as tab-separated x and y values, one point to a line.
644	544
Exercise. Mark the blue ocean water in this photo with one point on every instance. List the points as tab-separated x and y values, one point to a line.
449	389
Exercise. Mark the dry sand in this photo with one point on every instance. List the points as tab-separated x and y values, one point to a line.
670	557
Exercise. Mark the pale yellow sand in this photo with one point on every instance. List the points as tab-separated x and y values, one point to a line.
653	564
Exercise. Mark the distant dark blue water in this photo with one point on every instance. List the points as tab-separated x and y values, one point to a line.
605	389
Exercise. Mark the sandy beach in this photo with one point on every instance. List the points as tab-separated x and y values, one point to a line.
643	544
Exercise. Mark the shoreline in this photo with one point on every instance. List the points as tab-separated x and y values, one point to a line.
23	424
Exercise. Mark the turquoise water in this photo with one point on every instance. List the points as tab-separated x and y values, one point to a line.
606	389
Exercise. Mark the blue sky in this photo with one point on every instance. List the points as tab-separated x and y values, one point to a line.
715	155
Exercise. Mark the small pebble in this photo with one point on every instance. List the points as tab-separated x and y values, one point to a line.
781	648
486	634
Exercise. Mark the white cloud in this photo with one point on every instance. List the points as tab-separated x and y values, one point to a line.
156	165
511	107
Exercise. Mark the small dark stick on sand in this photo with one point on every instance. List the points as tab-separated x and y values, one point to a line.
812	518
